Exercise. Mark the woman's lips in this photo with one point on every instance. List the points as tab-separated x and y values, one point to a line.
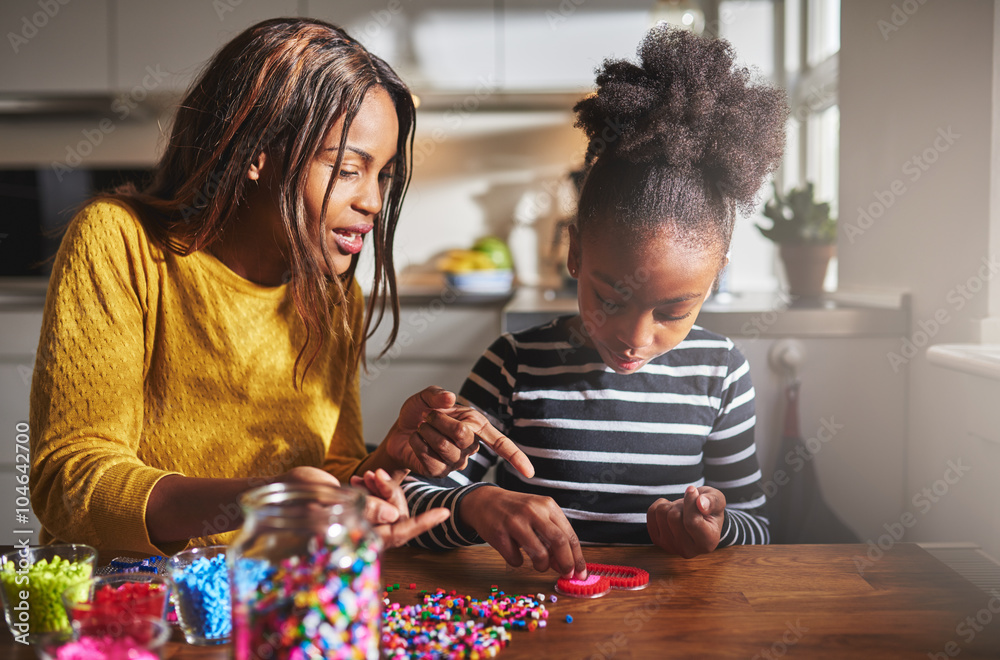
350	240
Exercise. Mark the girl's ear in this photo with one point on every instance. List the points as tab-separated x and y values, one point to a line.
257	168
718	276
573	258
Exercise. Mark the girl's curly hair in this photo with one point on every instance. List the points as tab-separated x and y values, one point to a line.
683	138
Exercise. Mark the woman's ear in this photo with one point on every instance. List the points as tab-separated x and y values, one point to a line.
257	168
573	258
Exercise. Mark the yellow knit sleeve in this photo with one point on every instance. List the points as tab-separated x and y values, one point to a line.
87	483
347	447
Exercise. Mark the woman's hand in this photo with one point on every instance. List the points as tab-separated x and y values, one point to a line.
512	522
690	526
433	436
386	508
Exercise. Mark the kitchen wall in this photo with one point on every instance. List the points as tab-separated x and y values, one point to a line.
918	192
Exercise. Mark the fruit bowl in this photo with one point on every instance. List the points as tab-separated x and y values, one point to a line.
496	281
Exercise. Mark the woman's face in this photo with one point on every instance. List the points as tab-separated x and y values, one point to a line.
361	182
638	302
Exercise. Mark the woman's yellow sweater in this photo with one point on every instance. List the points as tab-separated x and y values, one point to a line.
151	364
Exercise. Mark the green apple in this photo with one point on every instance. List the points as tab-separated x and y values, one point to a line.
496	250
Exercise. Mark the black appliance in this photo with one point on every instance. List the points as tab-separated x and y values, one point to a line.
37	203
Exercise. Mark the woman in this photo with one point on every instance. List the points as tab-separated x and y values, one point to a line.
205	334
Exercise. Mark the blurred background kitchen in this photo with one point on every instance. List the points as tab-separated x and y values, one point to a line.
893	111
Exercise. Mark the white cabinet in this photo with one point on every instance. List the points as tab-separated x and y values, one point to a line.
457	46
162	46
19	330
438	345
544	49
442	45
482	46
54	46
954	463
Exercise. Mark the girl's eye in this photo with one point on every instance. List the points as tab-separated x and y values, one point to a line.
347	174
608	306
667	317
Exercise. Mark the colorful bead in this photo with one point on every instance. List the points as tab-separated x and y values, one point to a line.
109	601
203	597
451	625
321	605
104	648
44	582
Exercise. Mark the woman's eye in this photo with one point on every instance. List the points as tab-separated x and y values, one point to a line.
346	174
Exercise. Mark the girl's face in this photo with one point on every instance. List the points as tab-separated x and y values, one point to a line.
361	182
638	302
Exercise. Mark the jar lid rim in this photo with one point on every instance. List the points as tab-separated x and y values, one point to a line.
276	494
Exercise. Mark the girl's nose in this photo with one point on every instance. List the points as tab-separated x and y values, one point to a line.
635	331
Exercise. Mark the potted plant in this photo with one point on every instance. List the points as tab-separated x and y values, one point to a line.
806	236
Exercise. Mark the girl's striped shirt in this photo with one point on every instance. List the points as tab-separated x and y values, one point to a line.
605	446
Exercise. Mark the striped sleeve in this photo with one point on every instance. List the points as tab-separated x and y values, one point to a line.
731	458
488	389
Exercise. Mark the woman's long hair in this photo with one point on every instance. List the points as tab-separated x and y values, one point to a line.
277	88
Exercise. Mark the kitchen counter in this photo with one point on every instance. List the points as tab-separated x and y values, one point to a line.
744	314
752	314
29	293
21	292
976	359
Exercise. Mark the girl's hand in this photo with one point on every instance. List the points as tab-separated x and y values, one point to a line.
512	522
433	436
690	526
386	508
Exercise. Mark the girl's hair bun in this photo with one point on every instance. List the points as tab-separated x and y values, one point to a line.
688	106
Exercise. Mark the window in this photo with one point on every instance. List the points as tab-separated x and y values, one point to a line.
796	44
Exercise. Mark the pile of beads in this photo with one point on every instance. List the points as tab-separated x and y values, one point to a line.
449	625
45	583
103	648
323	604
203	597
108	601
156	565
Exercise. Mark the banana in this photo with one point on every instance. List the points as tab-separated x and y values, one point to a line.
463	261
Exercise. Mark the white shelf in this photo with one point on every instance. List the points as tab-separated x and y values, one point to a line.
976	359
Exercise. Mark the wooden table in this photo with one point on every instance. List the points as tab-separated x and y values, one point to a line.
753	602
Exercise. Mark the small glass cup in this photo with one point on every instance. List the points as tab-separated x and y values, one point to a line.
33	580
142	638
118	597
201	595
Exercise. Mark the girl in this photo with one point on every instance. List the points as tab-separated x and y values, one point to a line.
639	423
204	335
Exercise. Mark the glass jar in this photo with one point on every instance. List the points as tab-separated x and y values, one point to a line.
304	573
